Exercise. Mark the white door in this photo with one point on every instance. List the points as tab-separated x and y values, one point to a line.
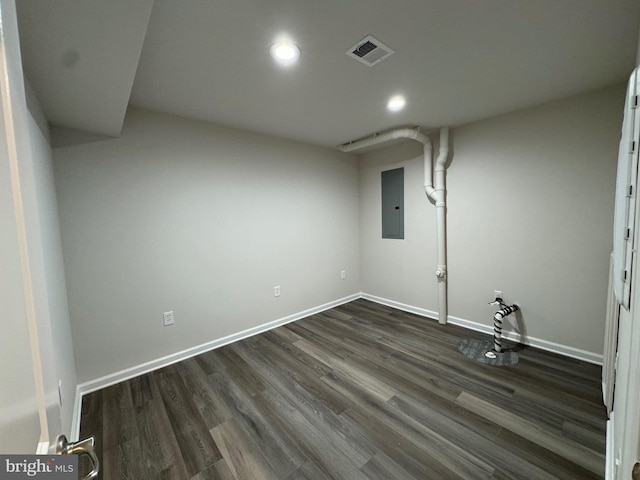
626	419
623	435
29	407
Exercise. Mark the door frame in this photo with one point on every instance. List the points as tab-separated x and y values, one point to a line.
18	156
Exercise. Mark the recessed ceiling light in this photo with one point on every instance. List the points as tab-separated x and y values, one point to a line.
396	103
285	52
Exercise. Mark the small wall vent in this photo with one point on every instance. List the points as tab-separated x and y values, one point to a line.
370	51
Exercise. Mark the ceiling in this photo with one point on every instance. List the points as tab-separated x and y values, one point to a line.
456	61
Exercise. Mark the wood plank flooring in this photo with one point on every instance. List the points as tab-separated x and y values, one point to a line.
361	391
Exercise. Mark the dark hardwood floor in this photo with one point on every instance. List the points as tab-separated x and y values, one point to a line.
361	391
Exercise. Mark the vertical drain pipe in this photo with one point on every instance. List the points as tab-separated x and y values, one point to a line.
435	191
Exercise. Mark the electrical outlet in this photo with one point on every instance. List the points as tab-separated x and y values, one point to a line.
497	294
168	318
276	291
343	274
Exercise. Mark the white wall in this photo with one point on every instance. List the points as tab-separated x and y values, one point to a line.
47	250
398	270
202	220
530	204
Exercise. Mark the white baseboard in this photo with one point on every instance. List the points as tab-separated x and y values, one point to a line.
132	372
423	312
565	350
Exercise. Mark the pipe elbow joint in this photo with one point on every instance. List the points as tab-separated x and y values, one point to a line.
430	191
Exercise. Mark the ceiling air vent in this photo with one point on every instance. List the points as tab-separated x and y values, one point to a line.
369	51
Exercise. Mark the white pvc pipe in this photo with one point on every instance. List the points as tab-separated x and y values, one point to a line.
439	196
434	187
377	138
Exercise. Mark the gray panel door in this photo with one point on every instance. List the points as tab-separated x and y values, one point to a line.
393	203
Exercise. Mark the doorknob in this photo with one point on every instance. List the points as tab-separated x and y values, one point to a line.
86	446
635	473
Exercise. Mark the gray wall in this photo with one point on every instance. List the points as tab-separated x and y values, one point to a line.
205	220
202	220
530	212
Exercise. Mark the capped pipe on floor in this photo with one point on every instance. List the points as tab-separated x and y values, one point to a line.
497	325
